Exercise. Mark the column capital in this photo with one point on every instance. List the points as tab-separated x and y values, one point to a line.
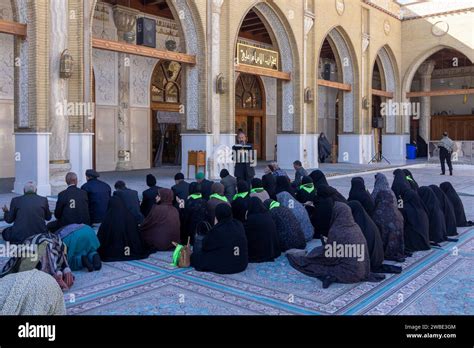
124	19
216	6
308	24
426	69
365	41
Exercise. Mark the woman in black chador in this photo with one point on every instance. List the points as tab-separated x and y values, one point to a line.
437	223
261	232
453	197
374	241
400	184
118	234
417	225
448	210
318	178
359	193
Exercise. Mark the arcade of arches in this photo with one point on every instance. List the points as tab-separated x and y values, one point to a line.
282	71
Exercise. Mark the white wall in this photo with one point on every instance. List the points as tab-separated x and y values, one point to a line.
270	85
140	128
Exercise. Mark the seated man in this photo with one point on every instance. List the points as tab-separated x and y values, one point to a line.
130	200
300	172
28	214
181	189
149	195
98	193
206	185
230	184
72	206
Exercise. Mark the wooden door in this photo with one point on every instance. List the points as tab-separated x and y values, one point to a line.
257	135
241	123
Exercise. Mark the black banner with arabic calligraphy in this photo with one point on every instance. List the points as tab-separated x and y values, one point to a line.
255	56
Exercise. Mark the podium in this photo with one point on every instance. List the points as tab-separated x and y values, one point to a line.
196	159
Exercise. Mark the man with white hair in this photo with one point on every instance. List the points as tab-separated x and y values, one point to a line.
27	213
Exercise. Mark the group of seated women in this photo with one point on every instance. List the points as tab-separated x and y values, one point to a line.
268	218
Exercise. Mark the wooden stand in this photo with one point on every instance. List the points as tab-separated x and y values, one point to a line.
196	159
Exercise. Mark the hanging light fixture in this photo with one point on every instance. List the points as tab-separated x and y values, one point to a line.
66	65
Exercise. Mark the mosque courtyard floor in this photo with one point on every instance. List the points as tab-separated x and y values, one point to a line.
438	281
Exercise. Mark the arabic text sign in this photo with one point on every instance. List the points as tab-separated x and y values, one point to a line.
254	56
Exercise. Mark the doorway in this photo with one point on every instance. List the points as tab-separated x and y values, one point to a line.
166	141
166	114
250	111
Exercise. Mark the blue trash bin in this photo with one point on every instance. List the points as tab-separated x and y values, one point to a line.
411	151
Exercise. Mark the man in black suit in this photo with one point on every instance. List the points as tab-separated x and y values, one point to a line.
72	206
98	193
181	189
130	200
28	214
206	185
243	158
149	195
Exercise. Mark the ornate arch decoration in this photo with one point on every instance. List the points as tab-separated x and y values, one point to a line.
194	77
283	38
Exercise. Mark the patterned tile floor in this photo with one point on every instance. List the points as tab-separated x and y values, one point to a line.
438	281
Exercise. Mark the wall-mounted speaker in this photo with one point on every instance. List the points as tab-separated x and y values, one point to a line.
327	72
377	122
146	32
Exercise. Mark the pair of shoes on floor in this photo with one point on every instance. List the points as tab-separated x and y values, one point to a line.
95	265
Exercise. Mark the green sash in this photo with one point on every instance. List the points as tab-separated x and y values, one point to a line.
240	195
195	196
274	204
218	196
307	187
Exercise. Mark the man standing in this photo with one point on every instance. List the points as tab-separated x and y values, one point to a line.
72	206
98	193
243	155
446	147
28	214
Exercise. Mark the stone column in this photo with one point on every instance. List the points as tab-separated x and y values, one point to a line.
32	95
214	104
58	103
125	20
309	157
425	71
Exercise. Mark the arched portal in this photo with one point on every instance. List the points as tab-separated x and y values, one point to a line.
337	87
435	84
129	134
263	33
386	118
